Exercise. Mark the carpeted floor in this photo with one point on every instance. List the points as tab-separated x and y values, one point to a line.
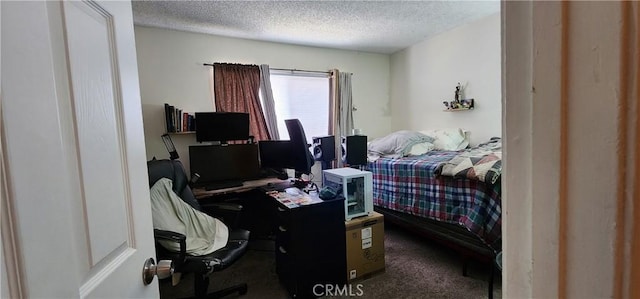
415	268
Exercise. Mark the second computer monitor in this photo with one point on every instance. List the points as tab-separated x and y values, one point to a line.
290	154
275	154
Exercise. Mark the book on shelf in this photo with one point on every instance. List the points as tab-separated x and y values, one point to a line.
185	117
168	115
191	123
176	120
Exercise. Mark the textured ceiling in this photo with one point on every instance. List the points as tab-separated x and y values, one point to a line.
370	26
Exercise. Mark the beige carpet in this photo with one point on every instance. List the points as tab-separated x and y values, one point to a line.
415	268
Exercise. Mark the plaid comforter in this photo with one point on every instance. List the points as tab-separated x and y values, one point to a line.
483	163
411	185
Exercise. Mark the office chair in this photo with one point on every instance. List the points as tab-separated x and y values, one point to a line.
200	266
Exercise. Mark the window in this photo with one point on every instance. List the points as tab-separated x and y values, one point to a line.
304	96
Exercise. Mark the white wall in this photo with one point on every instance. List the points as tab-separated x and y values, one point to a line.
171	71
424	75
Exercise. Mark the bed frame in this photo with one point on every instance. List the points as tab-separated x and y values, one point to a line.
453	236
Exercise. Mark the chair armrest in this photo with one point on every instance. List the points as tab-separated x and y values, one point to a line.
171	236
174	237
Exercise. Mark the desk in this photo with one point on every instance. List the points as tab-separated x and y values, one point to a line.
258	211
201	193
310	242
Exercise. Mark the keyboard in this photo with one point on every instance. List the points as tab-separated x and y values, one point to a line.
222	185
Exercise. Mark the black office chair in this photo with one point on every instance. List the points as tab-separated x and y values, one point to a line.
200	266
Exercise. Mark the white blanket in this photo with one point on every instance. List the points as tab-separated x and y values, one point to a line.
204	233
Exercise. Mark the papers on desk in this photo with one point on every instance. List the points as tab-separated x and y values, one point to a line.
294	197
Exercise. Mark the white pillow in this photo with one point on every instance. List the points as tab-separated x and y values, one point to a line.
421	149
397	143
452	139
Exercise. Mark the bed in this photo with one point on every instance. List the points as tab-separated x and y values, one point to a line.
447	195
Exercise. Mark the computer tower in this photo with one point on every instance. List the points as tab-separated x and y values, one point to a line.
354	150
355	186
324	148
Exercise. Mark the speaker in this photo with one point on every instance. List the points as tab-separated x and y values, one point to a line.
354	150
324	148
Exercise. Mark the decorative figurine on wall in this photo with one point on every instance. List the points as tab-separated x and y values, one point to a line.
458	92
459	102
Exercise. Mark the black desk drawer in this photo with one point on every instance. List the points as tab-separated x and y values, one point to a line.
283	216
284	261
283	235
310	246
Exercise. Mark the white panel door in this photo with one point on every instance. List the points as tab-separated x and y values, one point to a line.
77	193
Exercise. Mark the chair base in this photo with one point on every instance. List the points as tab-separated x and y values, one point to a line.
241	289
201	285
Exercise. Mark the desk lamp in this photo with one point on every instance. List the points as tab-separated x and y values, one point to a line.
168	143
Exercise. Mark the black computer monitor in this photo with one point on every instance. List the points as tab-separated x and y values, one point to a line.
215	163
275	157
275	154
221	126
290	154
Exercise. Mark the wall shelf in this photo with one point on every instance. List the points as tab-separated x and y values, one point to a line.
181	133
457	109
462	105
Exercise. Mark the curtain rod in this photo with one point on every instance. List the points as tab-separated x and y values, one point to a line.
305	71
288	70
296	70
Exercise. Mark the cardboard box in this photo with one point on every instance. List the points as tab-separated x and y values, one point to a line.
365	246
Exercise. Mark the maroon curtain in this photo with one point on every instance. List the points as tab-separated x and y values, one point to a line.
236	89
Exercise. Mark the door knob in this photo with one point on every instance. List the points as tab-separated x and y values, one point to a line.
163	269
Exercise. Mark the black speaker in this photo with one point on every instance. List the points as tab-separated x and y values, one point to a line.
354	150
324	148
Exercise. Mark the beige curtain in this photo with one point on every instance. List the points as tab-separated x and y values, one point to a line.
269	104
341	116
334	127
345	101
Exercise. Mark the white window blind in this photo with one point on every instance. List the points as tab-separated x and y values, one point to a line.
305	98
